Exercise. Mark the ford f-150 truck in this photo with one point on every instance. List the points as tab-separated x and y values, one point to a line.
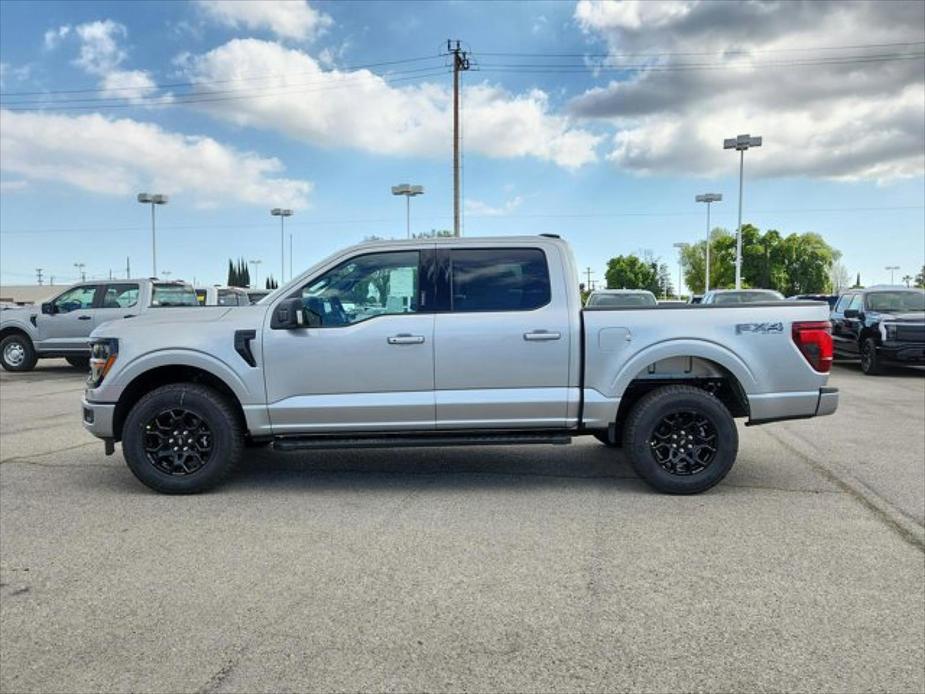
475	341
61	326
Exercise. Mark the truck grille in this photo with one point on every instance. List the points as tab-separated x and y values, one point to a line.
910	333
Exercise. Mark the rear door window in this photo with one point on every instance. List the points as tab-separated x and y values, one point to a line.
166	295
498	279
120	296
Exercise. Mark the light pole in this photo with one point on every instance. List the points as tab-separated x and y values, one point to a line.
156	199
680	247
282	214
80	268
256	264
166	273
740	143
708	198
892	269
409	192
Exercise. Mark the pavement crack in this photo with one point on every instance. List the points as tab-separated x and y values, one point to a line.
219	677
29	459
880	508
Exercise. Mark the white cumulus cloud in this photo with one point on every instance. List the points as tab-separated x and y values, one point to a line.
477	208
122	156
838	104
288	19
361	110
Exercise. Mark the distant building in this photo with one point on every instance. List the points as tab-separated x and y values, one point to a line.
28	293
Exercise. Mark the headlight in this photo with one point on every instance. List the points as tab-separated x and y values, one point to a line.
103	354
888	331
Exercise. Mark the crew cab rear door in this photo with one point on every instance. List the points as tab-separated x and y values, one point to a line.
502	341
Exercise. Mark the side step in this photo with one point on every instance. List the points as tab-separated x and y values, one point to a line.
320	443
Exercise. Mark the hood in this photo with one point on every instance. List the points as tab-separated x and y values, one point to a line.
161	317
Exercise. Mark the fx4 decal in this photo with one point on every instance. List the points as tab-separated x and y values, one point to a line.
759	328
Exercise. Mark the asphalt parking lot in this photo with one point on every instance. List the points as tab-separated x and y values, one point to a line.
495	569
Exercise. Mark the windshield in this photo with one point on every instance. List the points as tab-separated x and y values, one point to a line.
745	297
640	299
167	295
896	302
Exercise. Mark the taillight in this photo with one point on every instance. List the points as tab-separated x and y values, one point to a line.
814	340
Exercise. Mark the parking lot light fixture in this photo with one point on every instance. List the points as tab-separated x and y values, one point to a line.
153	199
740	143
80	268
409	191
892	269
282	214
708	198
680	246
256	264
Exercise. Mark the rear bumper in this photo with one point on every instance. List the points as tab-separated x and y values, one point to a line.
775	407
97	417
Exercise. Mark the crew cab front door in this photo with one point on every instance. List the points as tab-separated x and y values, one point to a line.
370	365
73	318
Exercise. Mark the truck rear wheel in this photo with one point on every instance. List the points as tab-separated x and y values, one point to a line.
182	438
680	439
17	353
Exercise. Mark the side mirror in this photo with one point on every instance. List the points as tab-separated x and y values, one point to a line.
852	313
48	307
291	314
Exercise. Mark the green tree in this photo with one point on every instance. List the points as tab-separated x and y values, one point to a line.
857	282
722	262
433	234
271	283
920	278
231	278
629	272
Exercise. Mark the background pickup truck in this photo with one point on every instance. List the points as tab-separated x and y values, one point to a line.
451	342
61	326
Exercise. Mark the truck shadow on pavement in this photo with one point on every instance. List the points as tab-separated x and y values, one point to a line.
479	467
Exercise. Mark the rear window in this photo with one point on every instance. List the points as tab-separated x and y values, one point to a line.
167	295
228	297
498	279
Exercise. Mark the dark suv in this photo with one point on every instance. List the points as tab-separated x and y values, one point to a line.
882	325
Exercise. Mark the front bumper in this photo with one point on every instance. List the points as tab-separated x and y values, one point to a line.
97	417
903	352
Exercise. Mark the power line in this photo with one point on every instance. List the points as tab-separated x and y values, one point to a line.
196	83
170	100
679	67
383	220
719	52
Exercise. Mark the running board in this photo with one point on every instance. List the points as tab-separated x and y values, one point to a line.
319	443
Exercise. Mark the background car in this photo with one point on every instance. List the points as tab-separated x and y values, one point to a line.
621	298
222	296
741	296
881	325
256	295
830	299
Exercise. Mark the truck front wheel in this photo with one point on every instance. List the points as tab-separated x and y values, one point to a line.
17	353
870	360
680	439
182	438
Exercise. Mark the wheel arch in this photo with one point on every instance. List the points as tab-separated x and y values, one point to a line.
8	330
157	376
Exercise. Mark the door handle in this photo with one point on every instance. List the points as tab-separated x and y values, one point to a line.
541	336
84	317
405	339
129	315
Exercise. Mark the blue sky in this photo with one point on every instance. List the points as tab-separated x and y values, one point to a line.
596	121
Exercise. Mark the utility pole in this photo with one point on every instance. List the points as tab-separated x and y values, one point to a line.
128	267
290	257
80	268
38	275
460	63
588	273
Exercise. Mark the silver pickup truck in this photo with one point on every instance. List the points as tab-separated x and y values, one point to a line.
475	341
61	326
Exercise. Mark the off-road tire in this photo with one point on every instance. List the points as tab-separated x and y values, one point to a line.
211	407
17	344
870	360
650	412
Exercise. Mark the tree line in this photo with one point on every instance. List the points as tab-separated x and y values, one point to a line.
239	275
